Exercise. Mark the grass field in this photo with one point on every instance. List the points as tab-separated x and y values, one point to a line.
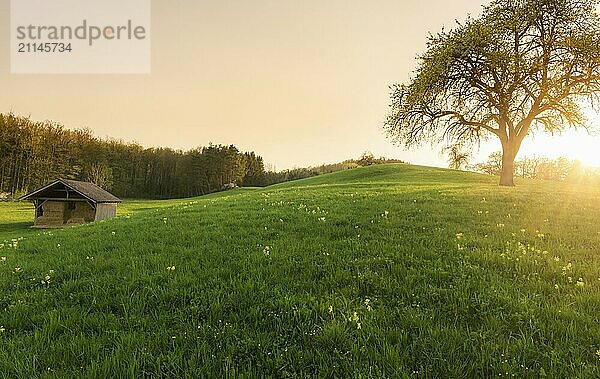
385	271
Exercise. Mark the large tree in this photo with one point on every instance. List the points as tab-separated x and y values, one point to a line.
523	65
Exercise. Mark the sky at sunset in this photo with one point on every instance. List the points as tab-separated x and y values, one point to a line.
299	82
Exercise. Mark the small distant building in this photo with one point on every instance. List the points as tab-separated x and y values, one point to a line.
70	202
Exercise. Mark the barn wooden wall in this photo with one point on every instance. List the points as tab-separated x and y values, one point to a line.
105	211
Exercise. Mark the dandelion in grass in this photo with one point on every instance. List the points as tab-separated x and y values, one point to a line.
2	329
267	251
322	219
17	269
165	220
569	279
114	233
170	268
2	259
367	303
556	286
459	236
580	282
597	351
331	309
355	319
500	225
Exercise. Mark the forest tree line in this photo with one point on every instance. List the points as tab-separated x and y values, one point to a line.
33	154
366	159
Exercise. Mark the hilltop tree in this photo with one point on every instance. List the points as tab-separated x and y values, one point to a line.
493	166
524	65
457	157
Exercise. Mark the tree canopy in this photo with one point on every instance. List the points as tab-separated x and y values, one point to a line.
34	153
523	65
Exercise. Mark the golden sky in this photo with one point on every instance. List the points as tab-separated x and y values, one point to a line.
299	82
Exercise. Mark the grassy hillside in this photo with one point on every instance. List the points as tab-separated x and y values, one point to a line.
16	218
384	271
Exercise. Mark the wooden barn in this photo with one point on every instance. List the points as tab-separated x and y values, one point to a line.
70	202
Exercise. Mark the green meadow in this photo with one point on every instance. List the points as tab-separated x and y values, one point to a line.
384	271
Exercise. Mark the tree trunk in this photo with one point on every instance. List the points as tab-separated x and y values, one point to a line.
508	165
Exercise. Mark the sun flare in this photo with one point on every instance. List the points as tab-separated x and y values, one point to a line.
571	144
574	145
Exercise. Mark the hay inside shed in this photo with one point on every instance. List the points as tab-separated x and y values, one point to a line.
70	202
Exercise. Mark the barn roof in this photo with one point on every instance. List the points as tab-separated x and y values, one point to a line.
86	190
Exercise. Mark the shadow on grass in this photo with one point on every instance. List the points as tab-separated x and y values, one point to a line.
11	229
